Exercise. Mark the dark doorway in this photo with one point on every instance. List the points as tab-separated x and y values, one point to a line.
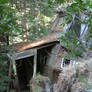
24	72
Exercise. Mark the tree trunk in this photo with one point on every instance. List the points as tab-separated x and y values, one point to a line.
25	32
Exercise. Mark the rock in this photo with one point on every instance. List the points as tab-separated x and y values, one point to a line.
40	84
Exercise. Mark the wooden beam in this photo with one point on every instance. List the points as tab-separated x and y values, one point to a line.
24	54
12	66
9	75
30	52
35	64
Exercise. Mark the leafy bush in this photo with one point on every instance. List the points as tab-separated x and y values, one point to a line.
4	79
72	38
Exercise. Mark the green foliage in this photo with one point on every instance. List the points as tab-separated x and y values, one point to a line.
38	20
72	44
60	1
70	40
7	19
3	72
4	1
7	25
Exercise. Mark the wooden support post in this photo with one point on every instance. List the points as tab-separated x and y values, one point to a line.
15	73
13	66
9	75
35	64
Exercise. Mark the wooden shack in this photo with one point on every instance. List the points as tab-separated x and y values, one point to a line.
30	58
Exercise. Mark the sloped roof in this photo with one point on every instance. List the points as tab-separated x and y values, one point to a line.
28	45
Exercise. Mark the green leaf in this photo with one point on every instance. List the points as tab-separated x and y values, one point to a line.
4	1
60	1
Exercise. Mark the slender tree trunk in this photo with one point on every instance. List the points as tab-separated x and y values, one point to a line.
24	24
25	31
12	2
56	21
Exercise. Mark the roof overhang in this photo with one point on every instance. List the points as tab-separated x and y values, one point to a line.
25	50
31	51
